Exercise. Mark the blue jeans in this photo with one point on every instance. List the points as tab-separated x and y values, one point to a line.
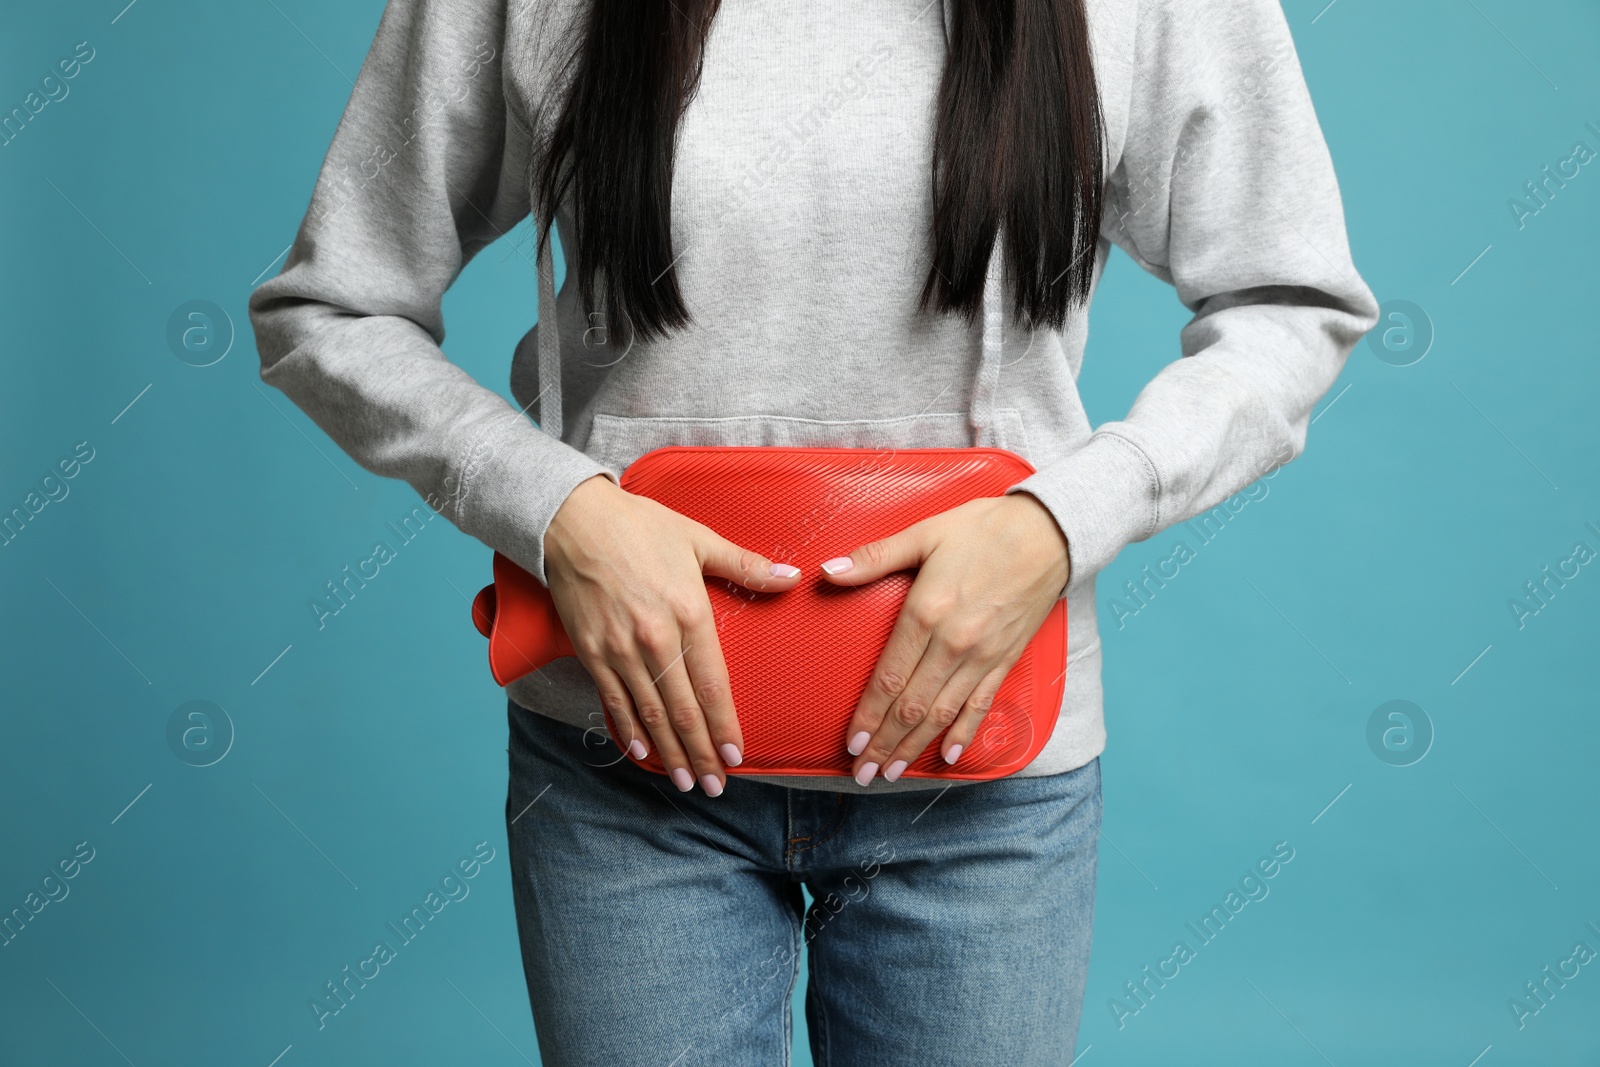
664	928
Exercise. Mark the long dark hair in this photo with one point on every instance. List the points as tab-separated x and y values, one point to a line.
1018	144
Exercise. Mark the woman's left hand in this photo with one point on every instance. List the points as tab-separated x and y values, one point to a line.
989	572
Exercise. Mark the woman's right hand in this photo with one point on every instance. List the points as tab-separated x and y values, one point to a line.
627	577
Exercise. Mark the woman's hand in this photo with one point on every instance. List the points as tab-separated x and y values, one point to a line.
990	571
627	577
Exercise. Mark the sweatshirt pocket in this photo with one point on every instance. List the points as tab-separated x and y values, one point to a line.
617	440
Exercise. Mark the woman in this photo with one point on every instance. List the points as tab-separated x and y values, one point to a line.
784	220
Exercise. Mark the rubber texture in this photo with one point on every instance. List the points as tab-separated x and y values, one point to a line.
798	661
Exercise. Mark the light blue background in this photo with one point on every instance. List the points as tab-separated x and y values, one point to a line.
370	757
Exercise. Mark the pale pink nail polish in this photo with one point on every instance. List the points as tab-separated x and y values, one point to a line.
953	755
709	783
858	742
864	776
891	772
636	749
783	570
682	779
730	754
838	564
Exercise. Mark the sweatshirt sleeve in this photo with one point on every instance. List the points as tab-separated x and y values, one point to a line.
1225	189
427	166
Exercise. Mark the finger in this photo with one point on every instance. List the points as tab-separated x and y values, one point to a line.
724	559
873	560
889	678
618	704
959	737
708	674
664	658
651	709
946	708
909	709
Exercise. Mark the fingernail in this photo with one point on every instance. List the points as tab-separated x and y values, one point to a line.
636	749
953	755
838	565
682	778
864	776
730	754
783	570
858	742
891	772
709	783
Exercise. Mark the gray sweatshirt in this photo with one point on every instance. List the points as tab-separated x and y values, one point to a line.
801	207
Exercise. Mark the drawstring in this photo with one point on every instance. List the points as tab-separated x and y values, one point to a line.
986	382
549	337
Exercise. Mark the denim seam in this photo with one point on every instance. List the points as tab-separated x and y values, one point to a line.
834	824
784	1011
788	827
822	1041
